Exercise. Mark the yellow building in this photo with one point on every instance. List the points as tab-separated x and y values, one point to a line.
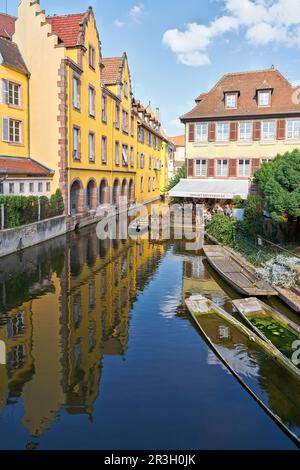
84	122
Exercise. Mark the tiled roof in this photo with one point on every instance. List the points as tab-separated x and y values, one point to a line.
11	55
111	70
22	166
7	25
67	27
247	84
178	140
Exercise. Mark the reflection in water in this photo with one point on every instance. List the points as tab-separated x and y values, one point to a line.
65	308
61	311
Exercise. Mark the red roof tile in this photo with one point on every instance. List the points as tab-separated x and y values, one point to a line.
178	140
67	27
7	26
111	70
24	166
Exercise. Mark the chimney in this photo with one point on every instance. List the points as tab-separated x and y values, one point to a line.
157	115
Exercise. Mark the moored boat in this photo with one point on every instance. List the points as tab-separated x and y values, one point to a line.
270	325
266	374
239	276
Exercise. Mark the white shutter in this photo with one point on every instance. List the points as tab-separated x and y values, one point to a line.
5	130
4	91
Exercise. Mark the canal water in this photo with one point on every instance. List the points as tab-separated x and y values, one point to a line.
102	354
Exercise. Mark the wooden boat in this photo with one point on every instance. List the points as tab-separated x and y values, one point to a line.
239	276
254	311
291	297
254	362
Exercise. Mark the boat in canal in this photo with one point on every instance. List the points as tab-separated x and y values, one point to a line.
248	356
270	325
239	276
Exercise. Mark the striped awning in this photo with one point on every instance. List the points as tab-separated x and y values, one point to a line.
211	189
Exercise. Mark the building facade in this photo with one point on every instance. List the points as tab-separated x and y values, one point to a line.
246	119
179	153
79	117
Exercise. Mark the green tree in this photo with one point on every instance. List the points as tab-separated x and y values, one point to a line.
174	181
223	228
279	183
252	223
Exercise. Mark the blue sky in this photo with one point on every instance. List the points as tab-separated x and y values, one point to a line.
179	49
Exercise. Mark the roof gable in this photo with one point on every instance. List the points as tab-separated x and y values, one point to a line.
67	28
7	25
246	84
11	56
112	70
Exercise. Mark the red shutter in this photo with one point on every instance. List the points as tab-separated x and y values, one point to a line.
232	167
255	164
211	131
191	132
210	167
233	131
257	130
281	129
190	167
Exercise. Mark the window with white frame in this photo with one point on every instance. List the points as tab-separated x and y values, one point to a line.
117	123
131	157
125	155
117	153
31	187
91	147
40	187
104	109
48	187
201	132
92	95
293	129
222	167
268	130
76	143
11	131
21	188
76	92
246	130
11	93
11	188
244	167
103	149
231	100
201	166
264	98
223	131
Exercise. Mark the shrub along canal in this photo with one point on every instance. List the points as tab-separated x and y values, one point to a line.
101	353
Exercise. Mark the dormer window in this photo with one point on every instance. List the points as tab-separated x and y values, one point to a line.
264	98
231	100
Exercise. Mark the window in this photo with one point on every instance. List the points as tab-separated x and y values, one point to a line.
149	185
154	183
293	129
11	131
149	139
222	167
200	168
40	187
117	123
223	131
264	98
141	134
21	188
76	143
1	188
92	54
268	130
150	163
104	108
31	187
11	93
131	157
125	121
142	184
201	132
244	167
76	93
142	165
91	147
104	149
11	188
126	89
231	100
246	131
48	187
117	153
92	95
125	155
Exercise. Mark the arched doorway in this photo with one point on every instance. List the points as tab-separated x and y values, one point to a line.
103	192
124	189
131	191
76	197
116	192
91	195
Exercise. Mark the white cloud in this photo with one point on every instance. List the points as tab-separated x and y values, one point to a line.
119	24
136	11
261	21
